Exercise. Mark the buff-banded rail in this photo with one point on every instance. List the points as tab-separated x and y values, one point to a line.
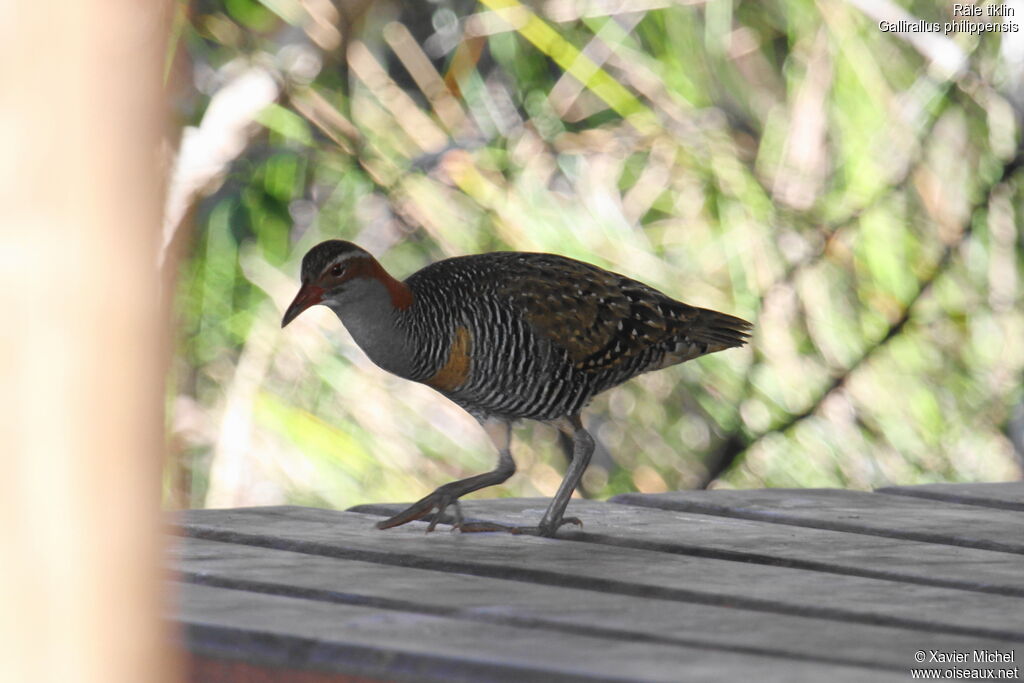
509	336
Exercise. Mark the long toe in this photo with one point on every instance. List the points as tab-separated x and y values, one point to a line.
417	510
481	526
542	529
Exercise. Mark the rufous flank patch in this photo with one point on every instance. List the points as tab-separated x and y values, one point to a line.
456	369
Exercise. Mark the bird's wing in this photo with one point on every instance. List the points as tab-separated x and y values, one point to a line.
600	318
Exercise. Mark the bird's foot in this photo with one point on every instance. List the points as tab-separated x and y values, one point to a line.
439	500
547	530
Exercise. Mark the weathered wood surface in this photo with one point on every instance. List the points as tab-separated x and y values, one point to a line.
640	593
783	545
900	516
1006	495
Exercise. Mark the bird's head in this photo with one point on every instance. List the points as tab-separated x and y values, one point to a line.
336	271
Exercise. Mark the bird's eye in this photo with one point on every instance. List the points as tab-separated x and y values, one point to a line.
337	270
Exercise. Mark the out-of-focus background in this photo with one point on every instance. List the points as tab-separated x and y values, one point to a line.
854	192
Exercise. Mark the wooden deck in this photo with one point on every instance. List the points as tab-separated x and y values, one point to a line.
772	585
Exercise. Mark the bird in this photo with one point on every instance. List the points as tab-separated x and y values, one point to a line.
509	336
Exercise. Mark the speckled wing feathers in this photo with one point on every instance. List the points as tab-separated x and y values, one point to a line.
604	320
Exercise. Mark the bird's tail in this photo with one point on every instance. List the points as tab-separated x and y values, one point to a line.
719	331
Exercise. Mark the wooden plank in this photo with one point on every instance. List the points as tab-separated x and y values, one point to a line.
1008	495
626	571
302	634
765	543
855	512
209	670
554	610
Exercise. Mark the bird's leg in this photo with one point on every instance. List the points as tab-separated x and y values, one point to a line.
565	442
553	519
500	432
582	450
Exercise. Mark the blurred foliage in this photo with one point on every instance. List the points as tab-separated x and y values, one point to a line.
855	194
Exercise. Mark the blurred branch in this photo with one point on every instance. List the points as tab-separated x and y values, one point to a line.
574	61
326	118
568	89
420	128
208	150
736	445
428	80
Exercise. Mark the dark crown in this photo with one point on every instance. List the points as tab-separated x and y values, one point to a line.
318	258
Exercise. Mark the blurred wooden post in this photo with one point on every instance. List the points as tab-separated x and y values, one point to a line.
82	350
